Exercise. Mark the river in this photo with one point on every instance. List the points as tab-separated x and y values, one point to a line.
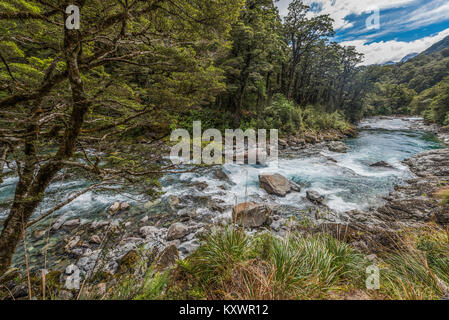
346	180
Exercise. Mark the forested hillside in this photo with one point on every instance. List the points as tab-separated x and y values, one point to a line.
419	86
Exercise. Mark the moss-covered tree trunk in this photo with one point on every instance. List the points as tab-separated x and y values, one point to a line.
31	186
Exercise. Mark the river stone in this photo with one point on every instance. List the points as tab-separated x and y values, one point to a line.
71	224
124	206
251	214
95	239
173	201
276	184
148	231
72	243
168	257
283	143
114	208
294	186
315	197
99	224
177	231
382	164
37	234
58	224
338	146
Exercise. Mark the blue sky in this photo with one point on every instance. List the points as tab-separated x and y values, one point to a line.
406	26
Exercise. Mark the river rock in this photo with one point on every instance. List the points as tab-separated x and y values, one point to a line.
283	143
177	231
382	164
168	257
277	184
118	207
294	186
37	234
315	197
71	224
148	231
95	239
251	214
189	246
58	224
99	224
72	243
114	208
173	201
338	146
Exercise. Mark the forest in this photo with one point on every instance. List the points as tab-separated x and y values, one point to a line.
418	86
140	68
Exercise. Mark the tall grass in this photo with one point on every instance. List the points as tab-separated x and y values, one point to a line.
231	265
421	270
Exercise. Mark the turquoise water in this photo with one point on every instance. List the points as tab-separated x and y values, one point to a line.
348	184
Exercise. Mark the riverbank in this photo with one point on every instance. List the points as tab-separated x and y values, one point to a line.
109	249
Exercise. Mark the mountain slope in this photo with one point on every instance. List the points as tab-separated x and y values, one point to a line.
437	46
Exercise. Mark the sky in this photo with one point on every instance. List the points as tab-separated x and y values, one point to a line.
405	26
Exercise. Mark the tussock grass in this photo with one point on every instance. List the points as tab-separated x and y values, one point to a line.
421	271
233	265
230	265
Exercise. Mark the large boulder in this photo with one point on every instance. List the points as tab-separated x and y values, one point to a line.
251	214
338	146
277	184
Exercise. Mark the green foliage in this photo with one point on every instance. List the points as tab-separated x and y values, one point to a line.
419	86
289	118
222	249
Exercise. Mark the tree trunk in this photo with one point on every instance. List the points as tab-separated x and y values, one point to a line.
30	189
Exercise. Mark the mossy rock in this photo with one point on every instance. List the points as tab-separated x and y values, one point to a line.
128	262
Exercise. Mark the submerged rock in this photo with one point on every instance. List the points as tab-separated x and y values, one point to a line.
277	184
382	164
118	207
71	224
250	214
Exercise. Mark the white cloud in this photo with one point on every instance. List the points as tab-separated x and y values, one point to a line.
340	9
428	13
384	51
